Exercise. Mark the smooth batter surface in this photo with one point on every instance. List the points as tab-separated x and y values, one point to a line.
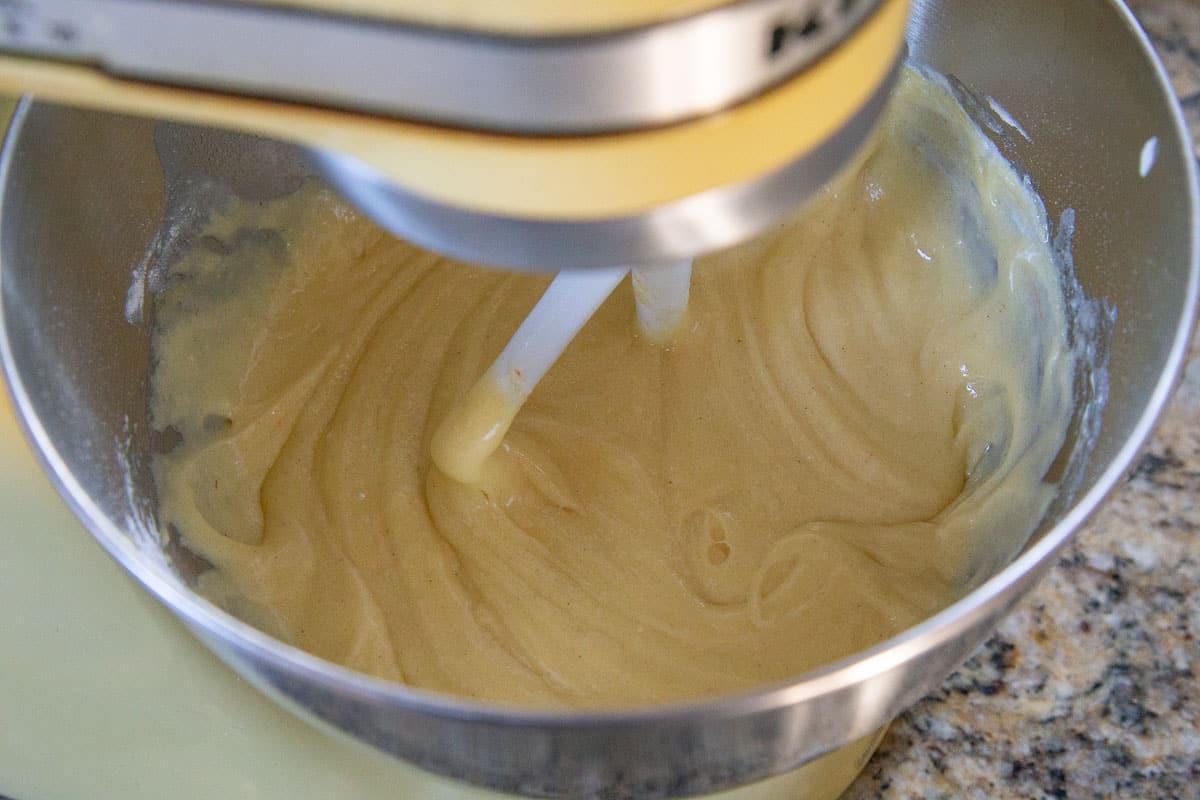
852	427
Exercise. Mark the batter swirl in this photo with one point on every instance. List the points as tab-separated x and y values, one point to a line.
853	427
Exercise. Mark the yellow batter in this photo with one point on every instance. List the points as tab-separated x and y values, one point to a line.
851	428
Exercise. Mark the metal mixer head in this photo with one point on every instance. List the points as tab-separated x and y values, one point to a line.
524	135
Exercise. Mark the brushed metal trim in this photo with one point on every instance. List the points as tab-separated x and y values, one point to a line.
624	80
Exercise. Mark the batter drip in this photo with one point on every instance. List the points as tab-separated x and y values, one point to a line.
853	427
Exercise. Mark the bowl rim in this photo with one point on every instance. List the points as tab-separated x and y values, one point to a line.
208	620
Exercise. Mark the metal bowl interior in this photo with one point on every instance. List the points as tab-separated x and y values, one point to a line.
83	199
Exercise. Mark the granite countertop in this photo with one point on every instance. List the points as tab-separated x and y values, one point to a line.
1089	689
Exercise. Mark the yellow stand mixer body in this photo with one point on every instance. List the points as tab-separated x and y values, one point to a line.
529	134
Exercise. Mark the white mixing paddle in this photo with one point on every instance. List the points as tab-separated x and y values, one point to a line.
661	294
476	426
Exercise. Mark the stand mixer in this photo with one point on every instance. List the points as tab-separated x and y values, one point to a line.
540	135
527	135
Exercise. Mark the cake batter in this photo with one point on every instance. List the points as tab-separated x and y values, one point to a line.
852	427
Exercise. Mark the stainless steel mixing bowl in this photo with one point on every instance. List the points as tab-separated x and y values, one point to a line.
83	199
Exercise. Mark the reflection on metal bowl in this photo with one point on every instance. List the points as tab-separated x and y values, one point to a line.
83	198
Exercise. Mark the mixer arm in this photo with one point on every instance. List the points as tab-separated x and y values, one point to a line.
631	196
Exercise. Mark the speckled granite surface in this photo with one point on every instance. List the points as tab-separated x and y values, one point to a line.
1090	689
